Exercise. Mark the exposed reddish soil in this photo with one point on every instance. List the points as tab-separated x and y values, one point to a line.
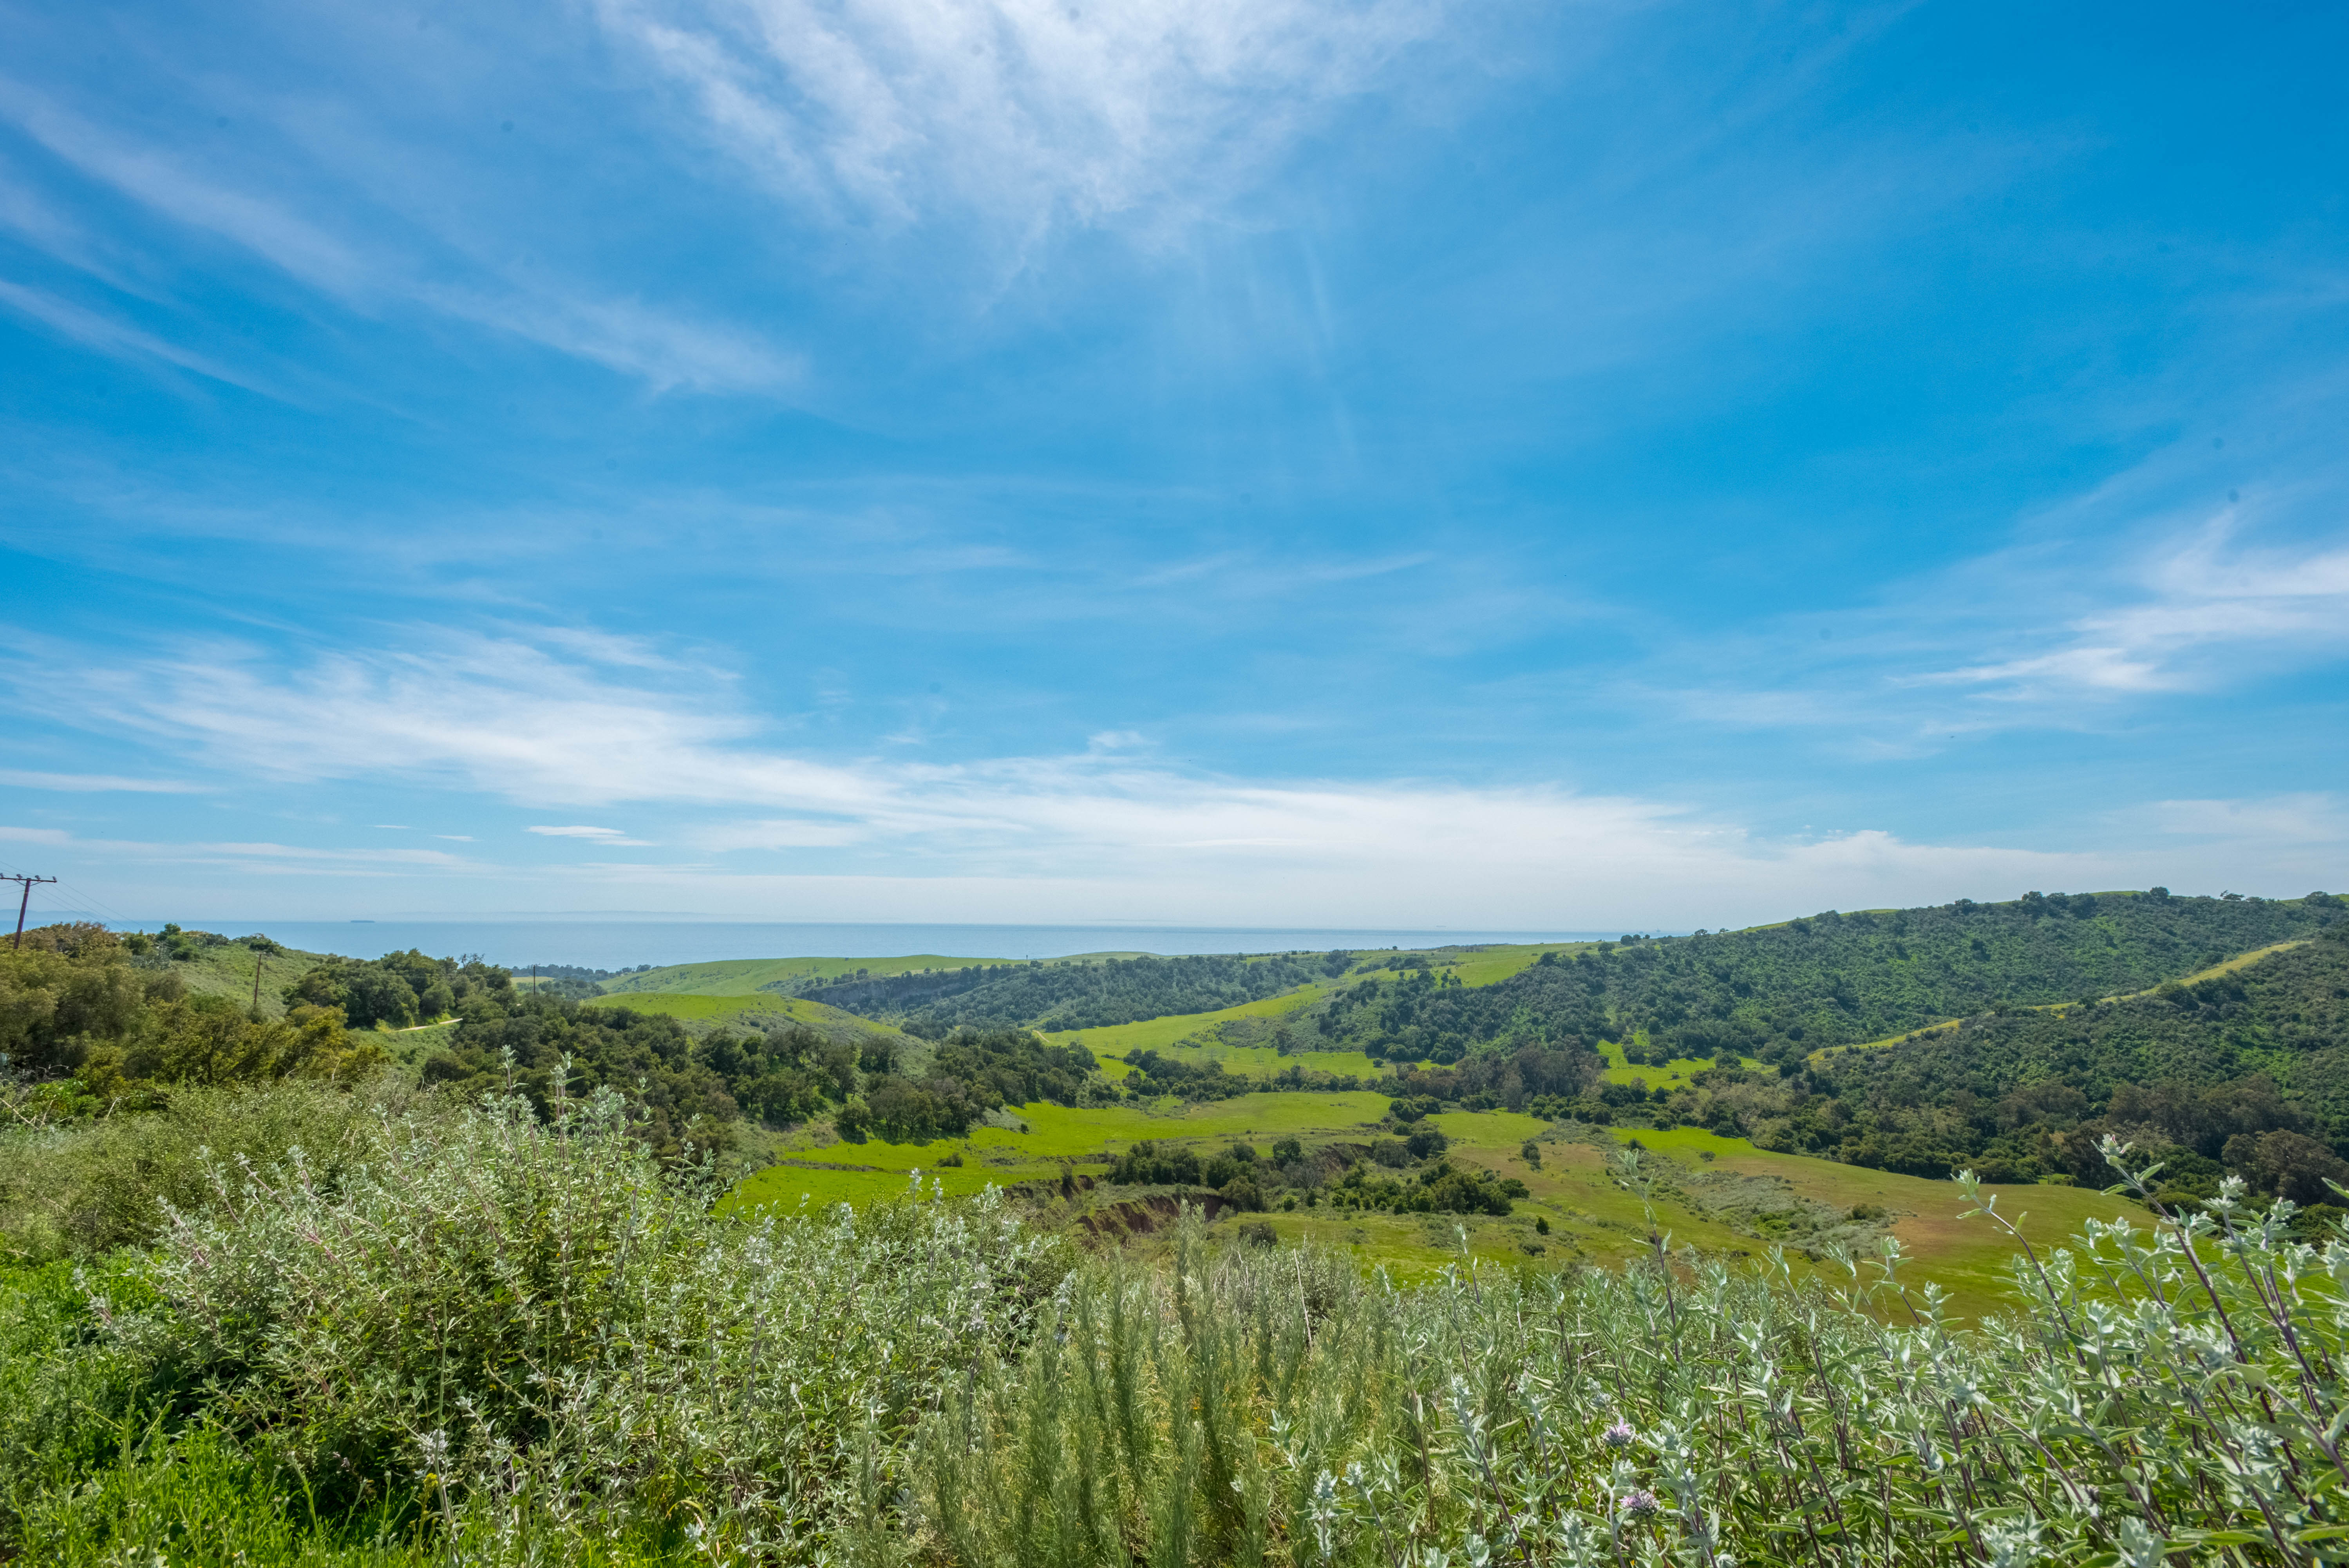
1140	1216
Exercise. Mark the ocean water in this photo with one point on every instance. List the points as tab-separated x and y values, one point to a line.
621	943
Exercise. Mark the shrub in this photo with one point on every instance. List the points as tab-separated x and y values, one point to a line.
1242	1193
521	1306
82	1188
1246	1407
1147	1164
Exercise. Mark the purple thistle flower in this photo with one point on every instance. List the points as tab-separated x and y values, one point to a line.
1639	1504
1618	1436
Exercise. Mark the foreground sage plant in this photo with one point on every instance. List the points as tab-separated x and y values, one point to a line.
2162	1393
499	1339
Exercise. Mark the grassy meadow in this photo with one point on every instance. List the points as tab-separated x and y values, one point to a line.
1720	1195
1042	1142
1487	965
1191	1038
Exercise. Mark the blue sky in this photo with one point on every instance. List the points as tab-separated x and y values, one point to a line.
1257	461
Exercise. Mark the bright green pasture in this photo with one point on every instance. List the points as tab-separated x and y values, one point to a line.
1158	1034
1967	1258
695	1008
1483	966
1055	1135
1255	1061
1592	1219
1413	1247
1670	1075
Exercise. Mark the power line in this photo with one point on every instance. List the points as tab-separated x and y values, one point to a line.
73	890
24	902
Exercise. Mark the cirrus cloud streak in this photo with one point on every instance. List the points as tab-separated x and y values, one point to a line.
1088	834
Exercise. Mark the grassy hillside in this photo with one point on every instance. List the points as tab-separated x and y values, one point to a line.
746	977
1097	992
1779	993
1071	996
210	964
762	1013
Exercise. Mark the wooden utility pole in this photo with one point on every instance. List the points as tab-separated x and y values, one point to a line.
24	903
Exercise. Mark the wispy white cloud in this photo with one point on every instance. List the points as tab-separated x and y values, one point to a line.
510	720
1027	112
593	834
94	783
2072	628
33	217
2197	609
395	265
779	833
2309	818
117	340
247	854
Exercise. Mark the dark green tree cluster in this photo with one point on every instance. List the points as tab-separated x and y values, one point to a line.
80	1008
1062	996
971	1072
1780	992
1408	1176
1532	1078
402	990
1419	1018
2187	1073
546	1046
1147	1164
1155	1074
171	943
1012	1066
111	1023
697	1088
1437	1186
